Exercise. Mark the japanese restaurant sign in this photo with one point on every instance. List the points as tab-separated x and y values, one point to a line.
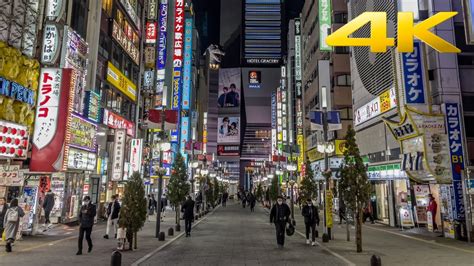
51	44
122	83
151	32
113	120
178	46
10	176
126	43
54	108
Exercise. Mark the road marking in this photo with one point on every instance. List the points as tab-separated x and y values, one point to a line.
432	242
149	255
348	262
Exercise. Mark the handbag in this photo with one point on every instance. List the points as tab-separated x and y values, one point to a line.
290	229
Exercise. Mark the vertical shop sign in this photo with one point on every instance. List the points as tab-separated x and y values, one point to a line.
188	52
119	152
151	9
325	14
161	53
54	9
136	149
51	41
298	75
413	76
454	128
184	134
151	32
177	53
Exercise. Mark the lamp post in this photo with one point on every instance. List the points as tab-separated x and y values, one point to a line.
292	168
161	171
193	165
326	148
204	173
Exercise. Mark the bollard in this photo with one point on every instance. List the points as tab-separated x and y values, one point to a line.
170	232
161	236
325	238
116	259
375	261
178	228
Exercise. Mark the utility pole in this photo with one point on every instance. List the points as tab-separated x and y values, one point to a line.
327	230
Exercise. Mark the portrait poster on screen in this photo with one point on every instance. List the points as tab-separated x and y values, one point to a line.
228	129
229	88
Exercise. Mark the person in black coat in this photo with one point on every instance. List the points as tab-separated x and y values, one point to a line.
86	220
188	214
48	205
225	196
3	211
280	215
252	200
311	218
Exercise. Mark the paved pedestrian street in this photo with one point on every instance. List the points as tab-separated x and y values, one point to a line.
235	236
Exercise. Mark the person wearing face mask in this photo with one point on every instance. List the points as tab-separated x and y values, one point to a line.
86	219
311	218
280	215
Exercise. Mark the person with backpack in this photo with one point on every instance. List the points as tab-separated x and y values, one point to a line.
11	222
311	219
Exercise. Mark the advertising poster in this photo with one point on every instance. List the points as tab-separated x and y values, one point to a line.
229	88
228	129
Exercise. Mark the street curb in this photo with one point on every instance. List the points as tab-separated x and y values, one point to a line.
348	262
149	255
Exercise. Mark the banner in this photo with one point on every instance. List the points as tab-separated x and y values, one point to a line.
228	129
136	149
161	50
229	87
152	120
413	76
121	82
455	136
298	69
328	202
325	15
184	134
177	54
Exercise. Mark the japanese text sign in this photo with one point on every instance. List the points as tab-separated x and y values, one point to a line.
413	76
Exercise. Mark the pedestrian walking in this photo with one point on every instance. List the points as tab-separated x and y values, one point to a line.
11	222
244	199
311	219
188	214
48	205
225	196
367	213
3	211
113	211
86	220
164	202
252	200
342	211
433	208
280	215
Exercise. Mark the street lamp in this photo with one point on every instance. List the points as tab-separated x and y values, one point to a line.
194	165
291	167
161	171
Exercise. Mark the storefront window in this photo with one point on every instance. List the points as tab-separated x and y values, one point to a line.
381	191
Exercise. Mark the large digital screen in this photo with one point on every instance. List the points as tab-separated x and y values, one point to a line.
262	32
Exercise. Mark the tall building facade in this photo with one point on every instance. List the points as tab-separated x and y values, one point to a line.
324	67
396	94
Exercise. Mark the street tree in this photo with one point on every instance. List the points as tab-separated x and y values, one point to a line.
308	186
354	183
273	189
178	187
133	211
209	193
259	192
